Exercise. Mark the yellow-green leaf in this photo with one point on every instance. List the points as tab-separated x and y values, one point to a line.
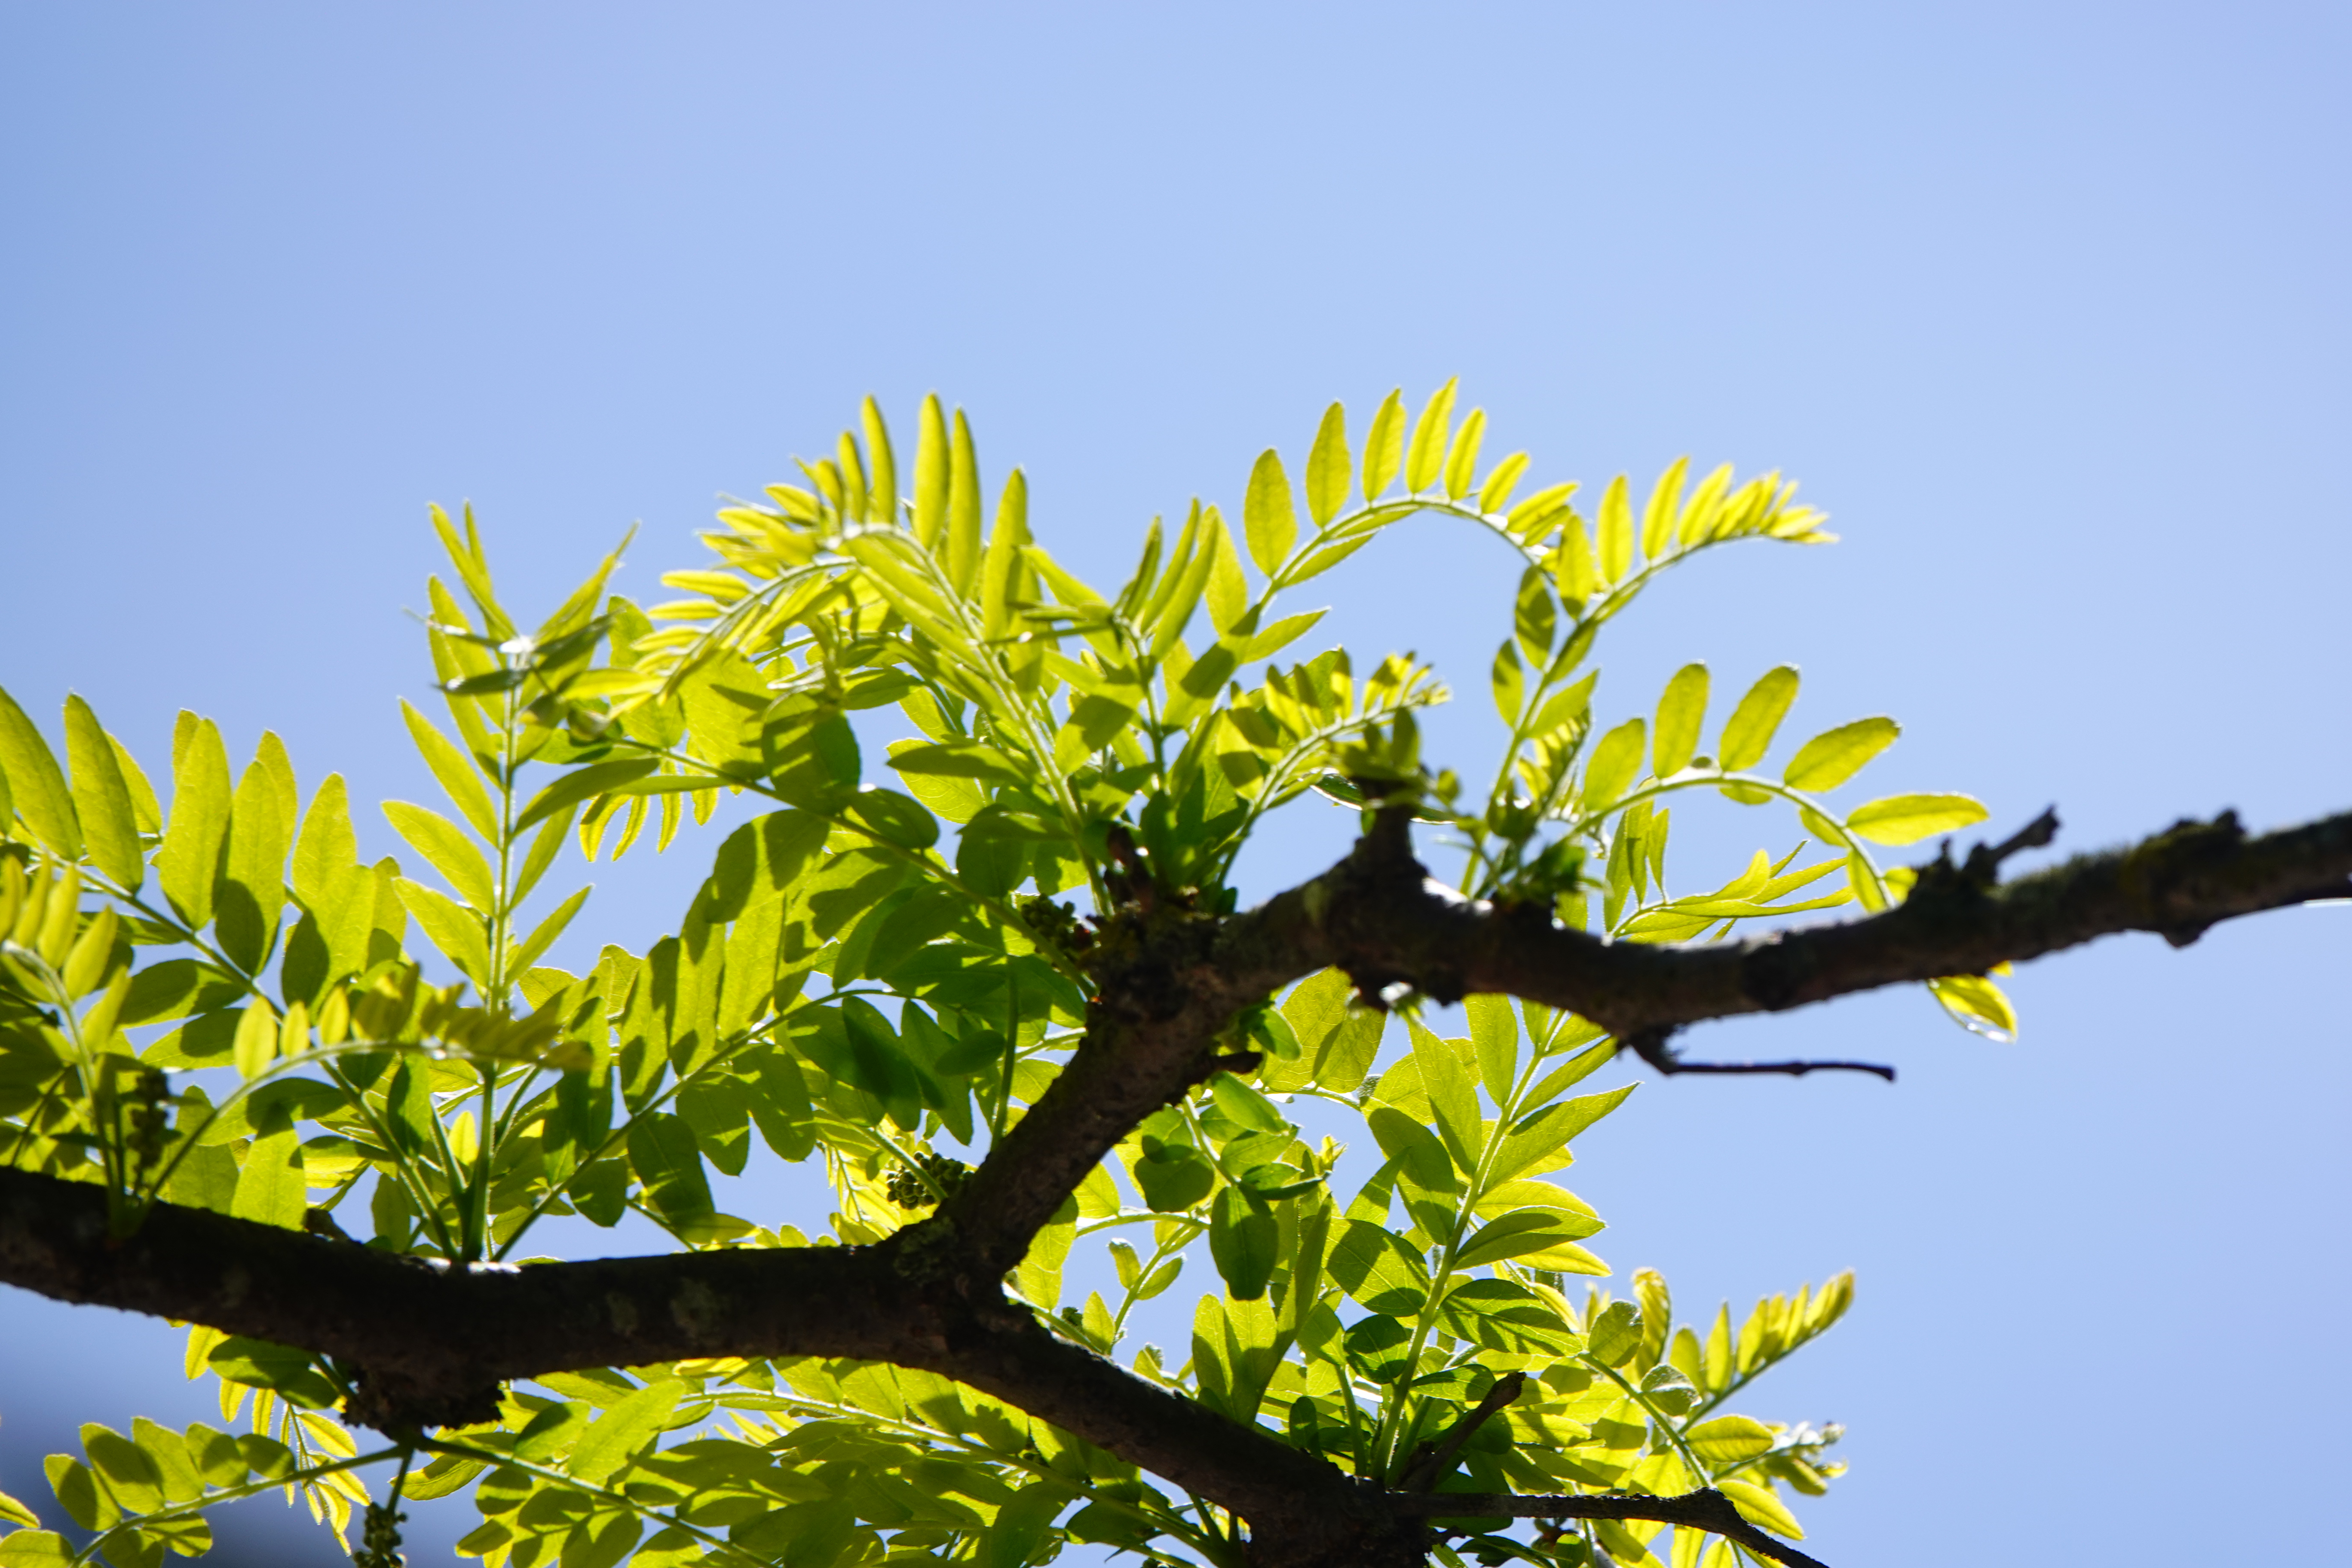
444	844
451	928
999	573
455	772
1909	818
1727	1439
1269	520
1428	447
882	483
931	473
616	1436
101	798
1681	712
270	1188
963	509
257	1038
1748	734
1658	518
1328	467
1384	443
35	783
1760	1506
1616	762
1615	526
1833	756
1978	1004
1462	457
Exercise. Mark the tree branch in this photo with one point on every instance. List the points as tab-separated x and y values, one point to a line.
1705	1509
432	1344
1380	919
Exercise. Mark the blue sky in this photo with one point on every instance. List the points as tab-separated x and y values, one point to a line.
2044	304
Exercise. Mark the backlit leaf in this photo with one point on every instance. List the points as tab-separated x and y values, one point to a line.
35	783
1748	734
101	798
1833	756
1384	443
1329	468
1907	818
1268	519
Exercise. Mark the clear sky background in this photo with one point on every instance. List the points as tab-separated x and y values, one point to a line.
2045	303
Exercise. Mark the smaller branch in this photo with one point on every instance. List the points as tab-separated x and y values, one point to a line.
1706	1510
1431	1464
1650	1045
1983	864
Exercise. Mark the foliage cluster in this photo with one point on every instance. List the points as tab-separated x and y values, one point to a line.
221	1005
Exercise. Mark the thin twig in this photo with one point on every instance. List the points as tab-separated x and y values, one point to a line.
1706	1510
1650	1045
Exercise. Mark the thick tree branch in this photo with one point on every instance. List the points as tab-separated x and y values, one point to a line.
1706	1509
431	1345
1379	918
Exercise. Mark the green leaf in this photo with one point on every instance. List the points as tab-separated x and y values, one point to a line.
327	847
962	760
895	818
251	888
1429	432
16	1513
1614	528
1510	680
582	784
882	484
930	472
1495	1039
1909	818
455	772
615	1436
1533	621
1462	456
1727	1439
1000	573
1452	1096
1616	762
1658	518
1246	1105
1533	1230
1760	1506
1541	1136
36	1549
1244	1240
1268	519
35	785
1495	494
1833	756
1329	468
1384	443
1682	710
1418	1154
101	798
963	509
269	1184
449	926
543	935
1748	734
257	1038
1379	1270
668	1158
445	846
1172	1177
